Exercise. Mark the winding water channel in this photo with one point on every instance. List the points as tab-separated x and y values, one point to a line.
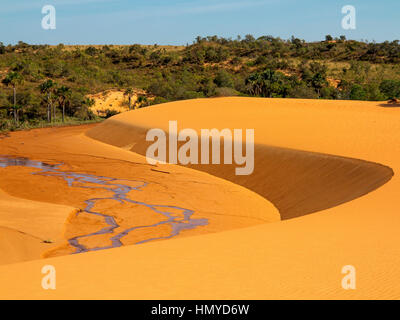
120	191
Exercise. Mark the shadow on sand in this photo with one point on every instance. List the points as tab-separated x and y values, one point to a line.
390	105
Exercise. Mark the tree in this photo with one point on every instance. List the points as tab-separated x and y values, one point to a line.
267	84
254	83
83	111
141	101
328	38
129	92
91	51
199	39
88	102
2	48
319	81
224	79
47	88
249	38
296	42
13	79
390	88
63	94
358	92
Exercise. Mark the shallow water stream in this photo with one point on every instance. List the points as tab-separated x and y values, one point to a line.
120	191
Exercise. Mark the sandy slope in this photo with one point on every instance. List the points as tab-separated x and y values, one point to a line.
167	186
296	182
110	100
114	100
296	258
25	225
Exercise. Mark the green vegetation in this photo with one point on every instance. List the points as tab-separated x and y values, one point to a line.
46	84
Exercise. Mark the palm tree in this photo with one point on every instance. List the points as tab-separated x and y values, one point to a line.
47	88
84	111
13	79
129	92
270	81
254	81
63	93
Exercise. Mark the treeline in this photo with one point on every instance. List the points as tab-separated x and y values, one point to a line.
272	67
41	83
335	49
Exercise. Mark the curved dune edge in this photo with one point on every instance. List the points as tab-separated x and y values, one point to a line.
82	154
25	225
296	182
294	259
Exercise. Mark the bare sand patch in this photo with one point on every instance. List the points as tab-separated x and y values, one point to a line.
26	226
113	100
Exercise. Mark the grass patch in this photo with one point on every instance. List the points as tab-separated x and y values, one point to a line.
10	126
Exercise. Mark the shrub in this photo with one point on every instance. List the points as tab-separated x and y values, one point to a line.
110	113
390	88
224	79
226	92
358	92
158	100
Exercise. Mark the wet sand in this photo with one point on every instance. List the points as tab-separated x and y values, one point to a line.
119	197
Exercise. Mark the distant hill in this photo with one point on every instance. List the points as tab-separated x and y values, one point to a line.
211	66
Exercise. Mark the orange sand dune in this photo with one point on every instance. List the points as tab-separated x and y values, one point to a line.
83	155
26	225
358	144
296	182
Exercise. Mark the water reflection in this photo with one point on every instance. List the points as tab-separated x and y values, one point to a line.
177	218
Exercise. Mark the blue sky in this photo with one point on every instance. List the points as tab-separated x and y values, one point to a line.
180	21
